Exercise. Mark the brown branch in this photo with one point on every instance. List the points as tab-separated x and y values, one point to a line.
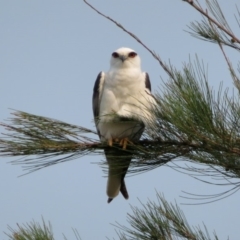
165	68
199	9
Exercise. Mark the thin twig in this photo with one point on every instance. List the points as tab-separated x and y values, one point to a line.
166	69
235	78
199	9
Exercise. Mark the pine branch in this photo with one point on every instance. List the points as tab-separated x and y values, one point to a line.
40	139
31	231
204	29
34	231
217	30
43	142
161	220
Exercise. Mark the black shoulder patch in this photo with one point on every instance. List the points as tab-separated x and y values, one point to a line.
96	85
147	82
95	97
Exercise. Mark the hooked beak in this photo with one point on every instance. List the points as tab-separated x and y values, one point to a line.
123	58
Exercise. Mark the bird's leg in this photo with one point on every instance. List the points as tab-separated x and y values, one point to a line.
123	142
110	142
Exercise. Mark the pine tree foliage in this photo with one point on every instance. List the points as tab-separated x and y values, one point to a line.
216	29
44	141
35	231
161	220
31	231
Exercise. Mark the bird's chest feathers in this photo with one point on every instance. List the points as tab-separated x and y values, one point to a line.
121	93
124	83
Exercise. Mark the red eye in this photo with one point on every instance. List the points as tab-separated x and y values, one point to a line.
132	54
115	55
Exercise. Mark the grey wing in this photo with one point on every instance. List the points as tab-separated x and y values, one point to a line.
147	82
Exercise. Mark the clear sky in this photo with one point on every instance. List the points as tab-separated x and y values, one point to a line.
50	54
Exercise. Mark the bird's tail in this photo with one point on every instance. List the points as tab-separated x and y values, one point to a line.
118	163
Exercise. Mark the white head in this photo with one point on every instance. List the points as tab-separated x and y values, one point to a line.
125	58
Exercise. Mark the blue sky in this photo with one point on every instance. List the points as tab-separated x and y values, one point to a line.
51	53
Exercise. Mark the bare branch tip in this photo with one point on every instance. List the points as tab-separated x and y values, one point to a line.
188	1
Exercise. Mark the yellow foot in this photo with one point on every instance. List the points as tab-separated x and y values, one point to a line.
123	142
110	142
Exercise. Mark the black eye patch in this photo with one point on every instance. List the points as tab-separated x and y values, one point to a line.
115	55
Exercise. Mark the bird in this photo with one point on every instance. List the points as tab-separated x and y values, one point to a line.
122	106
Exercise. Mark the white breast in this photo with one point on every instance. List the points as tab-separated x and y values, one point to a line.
124	94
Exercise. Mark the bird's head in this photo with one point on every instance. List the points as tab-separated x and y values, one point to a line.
125	58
